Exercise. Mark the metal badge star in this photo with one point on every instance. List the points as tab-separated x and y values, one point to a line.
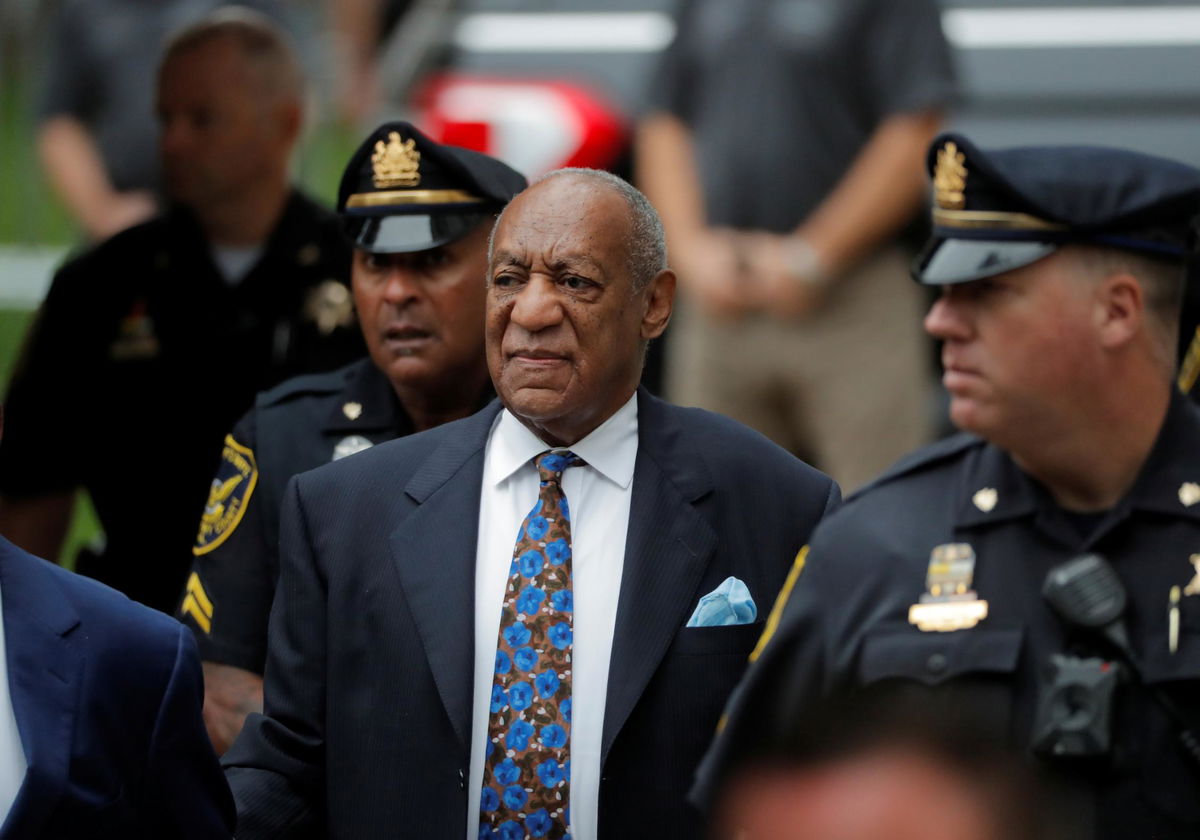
1189	493
985	499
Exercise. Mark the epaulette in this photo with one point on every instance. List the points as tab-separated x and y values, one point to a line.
922	459
309	384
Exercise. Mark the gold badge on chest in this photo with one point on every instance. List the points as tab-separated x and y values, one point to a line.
948	602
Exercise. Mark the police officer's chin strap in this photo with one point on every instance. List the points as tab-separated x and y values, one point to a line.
1086	593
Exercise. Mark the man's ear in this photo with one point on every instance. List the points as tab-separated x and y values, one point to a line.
290	116
660	300
1120	308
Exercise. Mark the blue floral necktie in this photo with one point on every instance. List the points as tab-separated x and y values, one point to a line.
527	771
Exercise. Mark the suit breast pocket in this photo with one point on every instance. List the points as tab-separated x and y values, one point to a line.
730	640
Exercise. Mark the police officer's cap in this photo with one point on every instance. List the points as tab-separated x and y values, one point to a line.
403	192
994	211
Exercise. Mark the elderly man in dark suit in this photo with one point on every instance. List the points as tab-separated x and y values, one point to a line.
428	678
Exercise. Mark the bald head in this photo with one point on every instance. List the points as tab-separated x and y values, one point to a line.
646	246
230	113
265	47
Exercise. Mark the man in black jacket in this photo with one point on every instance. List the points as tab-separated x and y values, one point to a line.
150	345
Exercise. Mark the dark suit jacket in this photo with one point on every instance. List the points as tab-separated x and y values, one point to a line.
107	696
371	660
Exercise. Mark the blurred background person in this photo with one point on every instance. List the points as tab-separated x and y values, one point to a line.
96	132
420	263
887	765
784	153
149	346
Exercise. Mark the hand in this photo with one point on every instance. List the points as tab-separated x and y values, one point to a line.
710	270
230	694
777	286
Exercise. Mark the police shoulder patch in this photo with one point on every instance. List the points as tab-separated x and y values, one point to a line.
228	496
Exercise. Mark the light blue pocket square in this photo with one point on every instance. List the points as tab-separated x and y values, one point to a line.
730	603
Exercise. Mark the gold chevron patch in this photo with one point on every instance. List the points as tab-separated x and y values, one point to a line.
197	604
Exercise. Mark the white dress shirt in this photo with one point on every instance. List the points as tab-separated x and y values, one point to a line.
598	495
12	754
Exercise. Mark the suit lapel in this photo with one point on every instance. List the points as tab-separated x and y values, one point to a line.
44	674
434	551
667	550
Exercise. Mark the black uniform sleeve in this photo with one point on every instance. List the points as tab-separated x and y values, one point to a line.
40	449
228	595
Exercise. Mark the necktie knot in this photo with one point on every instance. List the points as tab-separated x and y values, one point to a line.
551	465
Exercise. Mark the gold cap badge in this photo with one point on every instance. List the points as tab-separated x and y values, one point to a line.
352	410
950	178
396	162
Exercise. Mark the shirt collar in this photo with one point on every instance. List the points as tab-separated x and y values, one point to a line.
1169	482
1170	479
610	449
367	402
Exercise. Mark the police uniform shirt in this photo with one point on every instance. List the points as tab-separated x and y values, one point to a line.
141	359
298	426
847	622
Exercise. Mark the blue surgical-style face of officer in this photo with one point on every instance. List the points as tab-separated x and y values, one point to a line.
1019	347
566	329
421	312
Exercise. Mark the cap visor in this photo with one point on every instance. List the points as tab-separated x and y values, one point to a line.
947	261
411	232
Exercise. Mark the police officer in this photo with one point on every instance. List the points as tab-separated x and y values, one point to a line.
419	214
150	345
1060	272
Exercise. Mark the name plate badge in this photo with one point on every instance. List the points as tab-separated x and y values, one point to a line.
946	616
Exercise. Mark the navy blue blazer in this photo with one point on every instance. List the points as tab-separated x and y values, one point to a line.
107	695
371	656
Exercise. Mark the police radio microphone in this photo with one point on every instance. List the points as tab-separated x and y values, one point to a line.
1075	703
1086	592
